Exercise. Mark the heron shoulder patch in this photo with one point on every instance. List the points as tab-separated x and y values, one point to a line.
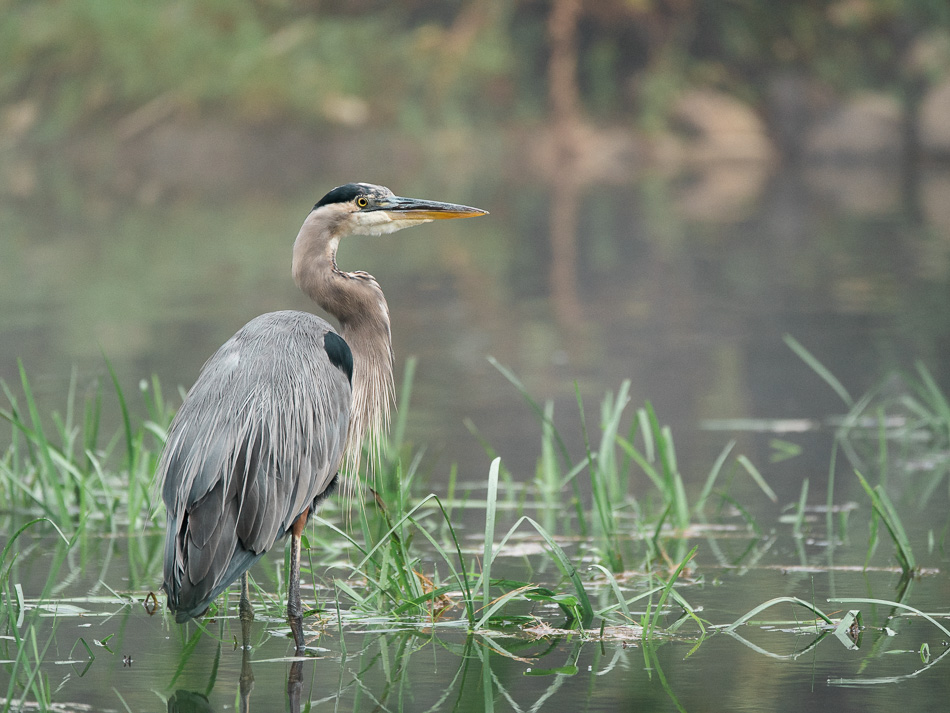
339	353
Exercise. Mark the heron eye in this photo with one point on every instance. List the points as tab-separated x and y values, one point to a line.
362	202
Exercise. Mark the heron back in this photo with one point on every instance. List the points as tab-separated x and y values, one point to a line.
257	441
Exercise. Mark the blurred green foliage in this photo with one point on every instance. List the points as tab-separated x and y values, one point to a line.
418	63
87	59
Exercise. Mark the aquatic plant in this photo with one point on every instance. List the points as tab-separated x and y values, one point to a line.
431	564
69	476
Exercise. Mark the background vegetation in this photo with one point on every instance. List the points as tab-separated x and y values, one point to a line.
415	63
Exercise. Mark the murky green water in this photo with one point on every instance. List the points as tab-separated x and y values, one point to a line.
685	291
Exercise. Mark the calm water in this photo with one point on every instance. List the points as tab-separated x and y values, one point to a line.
685	286
151	663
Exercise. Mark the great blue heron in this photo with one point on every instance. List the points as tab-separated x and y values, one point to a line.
261	435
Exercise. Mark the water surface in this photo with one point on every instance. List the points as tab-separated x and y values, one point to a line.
685	286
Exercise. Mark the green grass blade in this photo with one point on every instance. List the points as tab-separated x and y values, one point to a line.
488	611
488	554
677	487
460	575
757	477
23	528
126	420
851	621
643	419
800	512
612	410
52	485
599	492
402	412
885	509
820	369
645	465
713	476
830	499
615	588
568	569
667	589
538	411
936	397
780	600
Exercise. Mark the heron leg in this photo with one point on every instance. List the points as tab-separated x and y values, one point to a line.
294	607
246	612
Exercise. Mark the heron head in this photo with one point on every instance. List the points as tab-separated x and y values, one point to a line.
365	209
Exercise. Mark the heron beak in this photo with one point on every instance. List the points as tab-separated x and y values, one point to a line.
413	209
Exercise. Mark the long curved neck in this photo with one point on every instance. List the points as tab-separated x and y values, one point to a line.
357	302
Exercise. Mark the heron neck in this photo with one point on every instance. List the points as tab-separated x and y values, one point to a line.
357	302
373	389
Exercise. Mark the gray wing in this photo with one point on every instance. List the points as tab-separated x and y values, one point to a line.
257	441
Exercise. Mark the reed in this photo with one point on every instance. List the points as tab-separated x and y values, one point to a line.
67	472
407	559
885	510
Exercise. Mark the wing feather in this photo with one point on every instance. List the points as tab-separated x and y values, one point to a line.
257	441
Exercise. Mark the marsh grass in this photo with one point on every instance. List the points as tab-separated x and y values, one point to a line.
610	543
409	560
622	512
885	510
901	427
443	581
66	472
399	587
902	423
26	645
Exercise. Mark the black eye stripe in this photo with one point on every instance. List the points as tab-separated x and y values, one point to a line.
342	194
